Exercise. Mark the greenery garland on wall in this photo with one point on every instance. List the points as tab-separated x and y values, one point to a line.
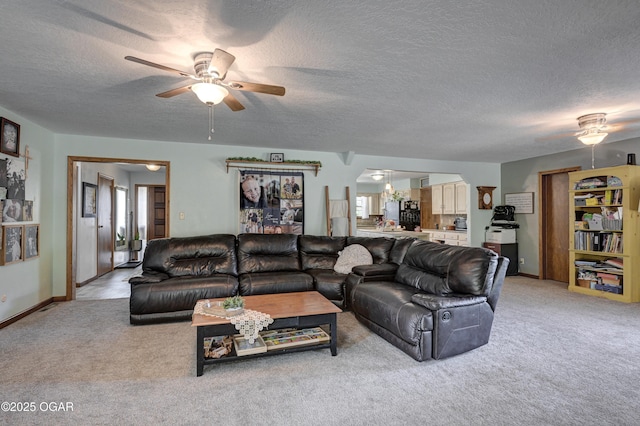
260	160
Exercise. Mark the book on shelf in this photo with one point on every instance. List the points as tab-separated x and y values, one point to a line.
616	262
606	278
585	263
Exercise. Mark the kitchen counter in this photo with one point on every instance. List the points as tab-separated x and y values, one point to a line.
453	237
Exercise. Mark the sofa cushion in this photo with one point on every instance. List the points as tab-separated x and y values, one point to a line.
352	255
442	269
274	282
319	252
267	253
329	283
180	293
192	256
378	247
399	249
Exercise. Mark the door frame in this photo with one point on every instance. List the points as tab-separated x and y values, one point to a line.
71	191
542	217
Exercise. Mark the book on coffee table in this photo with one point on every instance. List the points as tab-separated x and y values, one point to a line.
286	338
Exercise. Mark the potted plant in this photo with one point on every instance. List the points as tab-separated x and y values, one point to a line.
233	305
136	244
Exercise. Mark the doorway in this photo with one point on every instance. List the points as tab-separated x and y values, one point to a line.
553	223
74	175
151	205
105	224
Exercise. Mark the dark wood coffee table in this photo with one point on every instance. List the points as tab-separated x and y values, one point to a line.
288	310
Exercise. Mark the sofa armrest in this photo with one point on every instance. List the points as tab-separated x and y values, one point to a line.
435	303
378	271
148	277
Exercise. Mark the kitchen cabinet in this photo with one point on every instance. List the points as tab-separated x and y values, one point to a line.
374	204
436	199
451	238
449	198
461	197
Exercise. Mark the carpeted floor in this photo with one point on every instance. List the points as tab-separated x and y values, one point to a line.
555	358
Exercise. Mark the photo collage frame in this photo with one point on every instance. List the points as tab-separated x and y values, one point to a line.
271	202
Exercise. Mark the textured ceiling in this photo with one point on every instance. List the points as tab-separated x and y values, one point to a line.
478	80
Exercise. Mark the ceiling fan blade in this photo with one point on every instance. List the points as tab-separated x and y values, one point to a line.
256	87
161	67
220	62
233	103
174	92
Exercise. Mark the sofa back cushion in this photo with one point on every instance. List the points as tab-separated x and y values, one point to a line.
320	252
267	253
192	256
399	249
380	248
442	269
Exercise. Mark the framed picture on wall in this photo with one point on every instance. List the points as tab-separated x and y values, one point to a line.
89	199
31	241
276	157
12	243
9	137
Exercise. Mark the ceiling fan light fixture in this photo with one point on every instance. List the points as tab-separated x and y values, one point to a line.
592	126
153	167
592	137
209	93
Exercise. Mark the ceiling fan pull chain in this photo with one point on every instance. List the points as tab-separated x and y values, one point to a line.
210	121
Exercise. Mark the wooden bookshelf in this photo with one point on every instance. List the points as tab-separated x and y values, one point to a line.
612	192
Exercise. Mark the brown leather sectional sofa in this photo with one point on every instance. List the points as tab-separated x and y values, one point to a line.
430	300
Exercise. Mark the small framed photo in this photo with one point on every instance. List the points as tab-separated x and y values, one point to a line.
9	137
276	157
31	241
89	199
12	243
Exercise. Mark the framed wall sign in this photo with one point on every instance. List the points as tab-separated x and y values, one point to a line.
522	201
89	199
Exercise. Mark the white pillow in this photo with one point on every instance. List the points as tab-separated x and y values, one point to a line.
351	256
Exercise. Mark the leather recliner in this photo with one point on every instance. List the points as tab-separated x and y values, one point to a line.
440	302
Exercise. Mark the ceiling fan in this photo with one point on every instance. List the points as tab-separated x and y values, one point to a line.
597	123
210	70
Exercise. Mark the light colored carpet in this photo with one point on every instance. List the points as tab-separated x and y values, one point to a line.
555	358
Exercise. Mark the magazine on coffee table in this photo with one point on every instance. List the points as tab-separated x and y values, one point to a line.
289	337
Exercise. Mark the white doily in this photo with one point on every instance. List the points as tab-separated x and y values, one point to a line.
249	323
